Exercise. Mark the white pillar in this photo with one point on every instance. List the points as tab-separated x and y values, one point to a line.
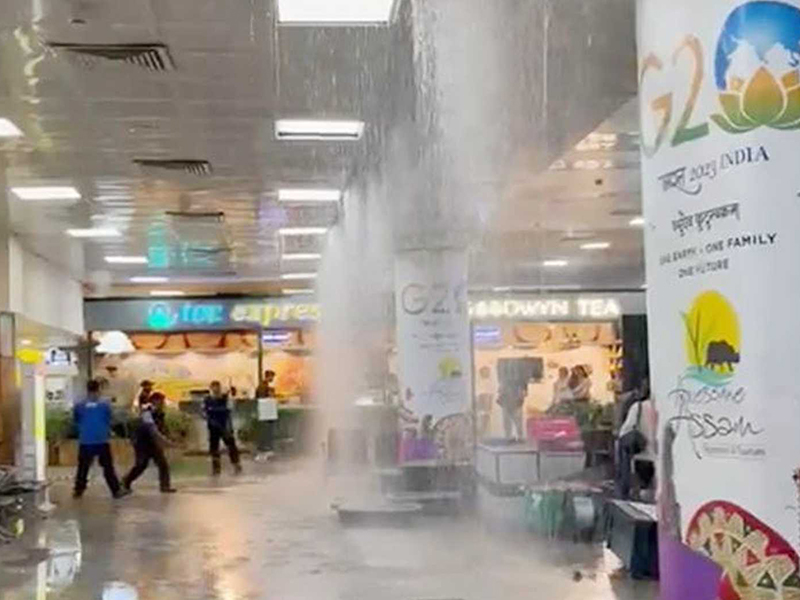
433	345
32	451
720	104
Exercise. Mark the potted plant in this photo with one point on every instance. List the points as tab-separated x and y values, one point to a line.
59	428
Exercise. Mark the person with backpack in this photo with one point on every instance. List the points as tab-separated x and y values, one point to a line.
149	441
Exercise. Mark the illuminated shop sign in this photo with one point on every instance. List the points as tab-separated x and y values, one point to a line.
166	315
197	315
276	338
278	313
487	335
588	309
267	314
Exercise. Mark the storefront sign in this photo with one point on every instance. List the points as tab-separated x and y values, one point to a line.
542	309
276	338
196	315
483	335
720	104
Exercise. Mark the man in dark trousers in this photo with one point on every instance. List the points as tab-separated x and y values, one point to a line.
220	427
93	419
149	441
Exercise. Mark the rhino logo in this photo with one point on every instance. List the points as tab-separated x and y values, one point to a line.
721	355
713	339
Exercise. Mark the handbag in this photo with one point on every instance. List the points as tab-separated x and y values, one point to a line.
638	442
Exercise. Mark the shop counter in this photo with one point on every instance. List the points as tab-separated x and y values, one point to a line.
503	463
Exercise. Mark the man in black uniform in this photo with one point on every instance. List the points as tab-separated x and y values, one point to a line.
149	442
220	427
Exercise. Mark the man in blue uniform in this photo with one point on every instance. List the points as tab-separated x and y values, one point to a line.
149	441
93	419
220	428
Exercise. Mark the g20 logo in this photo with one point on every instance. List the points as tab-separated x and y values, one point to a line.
755	71
437	299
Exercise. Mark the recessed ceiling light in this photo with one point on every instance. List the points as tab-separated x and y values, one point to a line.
302	256
596	246
303	231
149	279
305	130
96	232
296	276
9	130
501	289
167	293
298	291
555	263
297	195
636	222
334	11
47	192
26	342
126	260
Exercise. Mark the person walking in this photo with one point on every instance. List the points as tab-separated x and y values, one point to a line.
267	416
145	389
511	399
92	417
220	428
149	441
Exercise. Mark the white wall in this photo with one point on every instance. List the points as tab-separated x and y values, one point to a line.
40	291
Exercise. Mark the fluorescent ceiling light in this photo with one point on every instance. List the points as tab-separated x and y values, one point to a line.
47	192
309	130
9	130
596	246
501	289
303	231
298	291
96	232
295	276
636	222
309	195
126	260
302	256
26	342
335	11
555	263
149	279
167	293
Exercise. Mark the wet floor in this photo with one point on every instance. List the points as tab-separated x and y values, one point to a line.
272	535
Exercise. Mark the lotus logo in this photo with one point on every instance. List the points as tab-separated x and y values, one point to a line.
161	316
756	68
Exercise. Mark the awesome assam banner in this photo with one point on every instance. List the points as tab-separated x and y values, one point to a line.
720	114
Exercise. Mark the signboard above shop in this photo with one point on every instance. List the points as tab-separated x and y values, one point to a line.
199	315
287	313
589	307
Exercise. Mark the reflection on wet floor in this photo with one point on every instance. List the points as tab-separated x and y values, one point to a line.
276	538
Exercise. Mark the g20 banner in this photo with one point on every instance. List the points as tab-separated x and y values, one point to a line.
720	113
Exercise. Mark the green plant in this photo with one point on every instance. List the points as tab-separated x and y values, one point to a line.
178	424
58	424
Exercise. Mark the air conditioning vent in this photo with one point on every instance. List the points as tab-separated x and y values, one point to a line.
153	57
199	168
215	215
